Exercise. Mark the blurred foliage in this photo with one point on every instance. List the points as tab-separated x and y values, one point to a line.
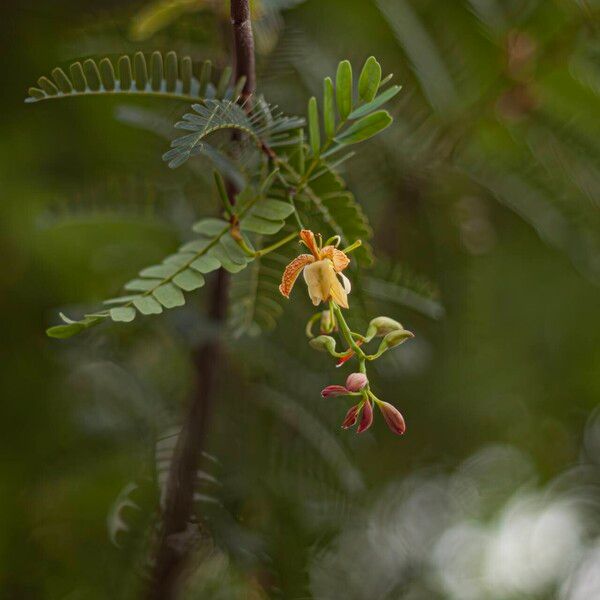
484	202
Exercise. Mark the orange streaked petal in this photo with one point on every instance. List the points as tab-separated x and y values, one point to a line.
308	237
292	271
339	259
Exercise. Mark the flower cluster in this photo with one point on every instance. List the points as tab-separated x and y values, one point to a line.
326	283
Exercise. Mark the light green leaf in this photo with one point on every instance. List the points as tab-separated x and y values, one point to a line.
205	264
159	271
188	280
343	89
210	227
369	80
147	305
221	255
142	285
314	133
169	296
273	210
260	225
380	100
235	253
123	314
365	128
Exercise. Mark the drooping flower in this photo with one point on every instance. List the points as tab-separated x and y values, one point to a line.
321	270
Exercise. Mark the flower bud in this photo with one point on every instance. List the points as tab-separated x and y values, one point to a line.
394	338
351	417
356	382
323	343
367	417
331	391
326	325
381	326
393	417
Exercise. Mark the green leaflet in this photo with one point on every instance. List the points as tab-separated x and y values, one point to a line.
365	128
162	286
380	100
315	187
261	125
328	107
163	76
314	132
343	89
254	296
369	80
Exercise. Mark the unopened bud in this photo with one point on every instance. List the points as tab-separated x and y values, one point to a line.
351	417
381	326
367	417
326	324
393	339
331	391
323	343
393	417
356	382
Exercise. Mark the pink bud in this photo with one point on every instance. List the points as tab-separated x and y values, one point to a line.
367	417
334	390
356	382
350	417
393	418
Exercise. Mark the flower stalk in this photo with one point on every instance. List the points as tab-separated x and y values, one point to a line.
320	269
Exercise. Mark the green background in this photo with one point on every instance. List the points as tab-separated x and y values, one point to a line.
484	200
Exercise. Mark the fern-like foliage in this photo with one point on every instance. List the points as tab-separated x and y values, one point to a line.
165	76
255	301
162	286
301	178
262	125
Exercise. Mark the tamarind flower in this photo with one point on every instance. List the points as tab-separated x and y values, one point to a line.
356	383
321	269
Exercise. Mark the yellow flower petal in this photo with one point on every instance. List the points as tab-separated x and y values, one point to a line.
323	283
338	293
292	271
318	280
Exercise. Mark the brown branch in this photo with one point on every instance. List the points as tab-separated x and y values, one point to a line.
178	535
243	46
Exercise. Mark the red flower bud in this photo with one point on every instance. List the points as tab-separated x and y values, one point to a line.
334	390
356	382
351	416
367	417
393	418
